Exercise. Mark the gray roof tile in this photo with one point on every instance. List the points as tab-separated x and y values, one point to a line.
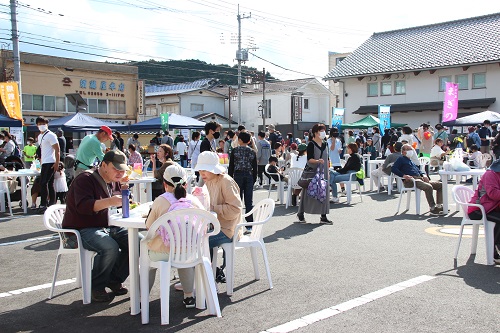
179	88
455	43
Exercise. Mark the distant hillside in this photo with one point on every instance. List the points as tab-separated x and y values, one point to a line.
179	71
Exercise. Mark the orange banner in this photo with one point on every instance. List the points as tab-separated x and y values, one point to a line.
9	94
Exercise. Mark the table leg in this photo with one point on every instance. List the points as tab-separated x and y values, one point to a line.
23	194
445	194
133	257
474	182
149	190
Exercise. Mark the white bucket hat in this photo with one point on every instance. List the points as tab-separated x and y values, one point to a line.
209	161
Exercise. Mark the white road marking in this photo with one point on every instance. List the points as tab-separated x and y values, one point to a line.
342	307
39	287
30	240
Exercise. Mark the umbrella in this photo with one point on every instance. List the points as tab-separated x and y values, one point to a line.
79	122
174	121
474	119
367	122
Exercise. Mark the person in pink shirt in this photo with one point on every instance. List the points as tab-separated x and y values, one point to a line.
134	157
488	195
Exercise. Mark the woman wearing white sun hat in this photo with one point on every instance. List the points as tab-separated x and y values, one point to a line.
224	197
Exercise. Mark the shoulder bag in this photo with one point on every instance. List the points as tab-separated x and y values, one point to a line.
308	174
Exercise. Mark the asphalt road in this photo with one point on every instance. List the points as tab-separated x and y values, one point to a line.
371	271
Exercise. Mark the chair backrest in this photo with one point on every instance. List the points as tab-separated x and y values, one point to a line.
424	160
53	217
271	174
294	176
342	163
262	212
462	196
145	167
485	158
4	187
187	231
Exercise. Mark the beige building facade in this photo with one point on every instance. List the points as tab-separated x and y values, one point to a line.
110	90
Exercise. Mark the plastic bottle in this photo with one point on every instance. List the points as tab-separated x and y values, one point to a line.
125	203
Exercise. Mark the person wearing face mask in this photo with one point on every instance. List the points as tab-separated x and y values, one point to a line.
317	153
410	172
29	152
50	158
212	130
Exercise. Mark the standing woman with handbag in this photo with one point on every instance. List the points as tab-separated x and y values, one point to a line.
317	153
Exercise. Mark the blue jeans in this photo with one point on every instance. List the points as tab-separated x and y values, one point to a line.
215	241
111	261
245	183
336	177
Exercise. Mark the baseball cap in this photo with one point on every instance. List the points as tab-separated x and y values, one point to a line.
177	172
108	131
302	147
495	166
118	159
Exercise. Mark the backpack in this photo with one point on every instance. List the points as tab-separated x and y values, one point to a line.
17	151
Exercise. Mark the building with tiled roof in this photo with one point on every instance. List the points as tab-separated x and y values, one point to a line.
408	69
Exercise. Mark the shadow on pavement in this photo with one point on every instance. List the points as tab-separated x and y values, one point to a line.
478	276
294	229
44	245
41	233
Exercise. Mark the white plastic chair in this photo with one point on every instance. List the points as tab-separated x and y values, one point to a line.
262	213
52	219
4	191
280	185
293	178
191	179
462	195
352	184
483	161
424	160
403	189
390	181
189	248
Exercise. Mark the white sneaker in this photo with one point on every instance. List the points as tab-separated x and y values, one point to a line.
334	200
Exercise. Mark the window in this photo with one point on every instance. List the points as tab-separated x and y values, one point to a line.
50	103
117	107
372	89
92	105
442	82
478	80
463	81
61	104
72	108
306	104
399	87
38	102
27	102
338	60
102	106
386	88
196	107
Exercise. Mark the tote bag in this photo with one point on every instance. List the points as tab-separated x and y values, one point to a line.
318	187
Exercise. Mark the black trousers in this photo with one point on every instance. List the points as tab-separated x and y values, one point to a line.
47	185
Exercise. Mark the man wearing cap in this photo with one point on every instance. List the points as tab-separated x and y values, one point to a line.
90	149
385	170
87	203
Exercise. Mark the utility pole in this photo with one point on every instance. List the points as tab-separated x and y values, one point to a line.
241	55
264	103
15	47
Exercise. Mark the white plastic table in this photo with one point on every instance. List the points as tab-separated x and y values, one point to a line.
371	163
137	189
133	223
22	174
474	173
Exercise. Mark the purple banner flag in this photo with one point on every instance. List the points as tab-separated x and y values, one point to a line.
450	105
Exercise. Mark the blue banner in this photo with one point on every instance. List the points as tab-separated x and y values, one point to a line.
338	117
384	115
